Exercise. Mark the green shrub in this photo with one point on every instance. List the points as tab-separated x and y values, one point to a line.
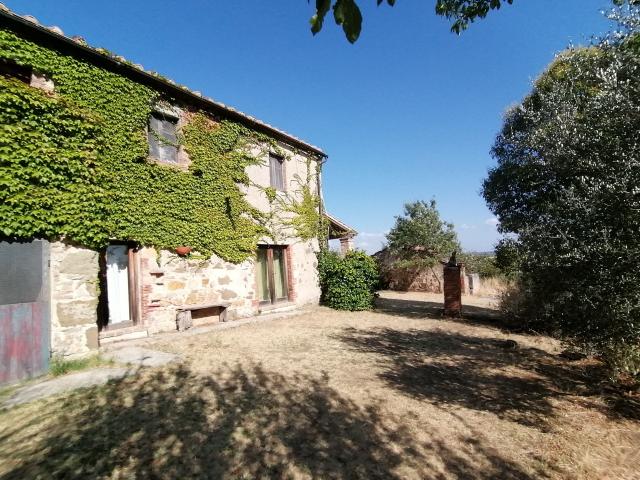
565	185
483	265
508	257
348	283
623	358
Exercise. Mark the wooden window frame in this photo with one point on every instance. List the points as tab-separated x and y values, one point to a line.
135	304
271	281
135	294
280	159
151	138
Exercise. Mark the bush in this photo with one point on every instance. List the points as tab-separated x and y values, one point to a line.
514	305
623	358
565	184
483	265
508	257
347	283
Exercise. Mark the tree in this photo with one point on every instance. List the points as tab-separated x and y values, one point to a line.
347	13
508	257
461	12
419	236
567	182
481	263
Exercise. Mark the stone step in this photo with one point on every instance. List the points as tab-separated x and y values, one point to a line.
274	309
122	334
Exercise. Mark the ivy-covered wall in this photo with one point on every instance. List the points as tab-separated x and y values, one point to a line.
74	165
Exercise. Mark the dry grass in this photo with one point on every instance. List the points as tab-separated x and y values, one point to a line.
396	393
493	286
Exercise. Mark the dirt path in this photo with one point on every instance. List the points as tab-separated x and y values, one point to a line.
395	393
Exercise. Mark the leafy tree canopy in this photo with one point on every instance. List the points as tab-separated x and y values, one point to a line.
419	235
507	257
567	183
347	14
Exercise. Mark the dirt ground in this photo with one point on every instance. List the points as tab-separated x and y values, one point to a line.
394	393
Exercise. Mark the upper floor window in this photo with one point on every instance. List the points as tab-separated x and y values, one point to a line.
163	139
276	171
9	68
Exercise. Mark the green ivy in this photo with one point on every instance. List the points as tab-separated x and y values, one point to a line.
48	172
303	207
74	164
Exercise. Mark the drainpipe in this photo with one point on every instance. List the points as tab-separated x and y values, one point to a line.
325	241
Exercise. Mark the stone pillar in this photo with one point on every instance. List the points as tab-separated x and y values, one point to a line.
453	285
474	283
346	245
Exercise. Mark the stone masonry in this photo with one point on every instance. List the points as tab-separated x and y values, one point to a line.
74	299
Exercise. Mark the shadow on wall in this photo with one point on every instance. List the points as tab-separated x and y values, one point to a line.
235	423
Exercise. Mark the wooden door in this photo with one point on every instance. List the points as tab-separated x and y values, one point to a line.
272	274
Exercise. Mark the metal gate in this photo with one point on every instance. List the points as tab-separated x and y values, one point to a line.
24	310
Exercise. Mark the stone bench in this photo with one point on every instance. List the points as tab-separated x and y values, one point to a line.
184	319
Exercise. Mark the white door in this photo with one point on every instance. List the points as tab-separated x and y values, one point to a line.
118	283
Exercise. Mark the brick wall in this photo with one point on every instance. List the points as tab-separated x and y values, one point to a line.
453	285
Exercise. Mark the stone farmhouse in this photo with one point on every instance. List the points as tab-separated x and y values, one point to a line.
133	205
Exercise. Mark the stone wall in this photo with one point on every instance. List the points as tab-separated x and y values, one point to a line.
408	279
167	281
74	299
304	272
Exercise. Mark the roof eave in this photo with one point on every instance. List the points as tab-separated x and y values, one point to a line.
65	43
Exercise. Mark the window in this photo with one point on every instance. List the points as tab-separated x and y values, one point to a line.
11	69
276	171
163	141
272	274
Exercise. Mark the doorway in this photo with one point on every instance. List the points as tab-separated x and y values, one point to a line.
272	274
118	281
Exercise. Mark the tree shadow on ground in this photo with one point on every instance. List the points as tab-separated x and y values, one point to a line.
427	309
452	368
476	372
557	376
233	423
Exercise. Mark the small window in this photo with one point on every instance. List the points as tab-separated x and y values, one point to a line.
276	171
11	69
163	140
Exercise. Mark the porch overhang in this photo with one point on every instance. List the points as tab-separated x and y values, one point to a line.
338	229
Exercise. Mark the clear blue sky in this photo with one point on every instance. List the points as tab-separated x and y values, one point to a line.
409	112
